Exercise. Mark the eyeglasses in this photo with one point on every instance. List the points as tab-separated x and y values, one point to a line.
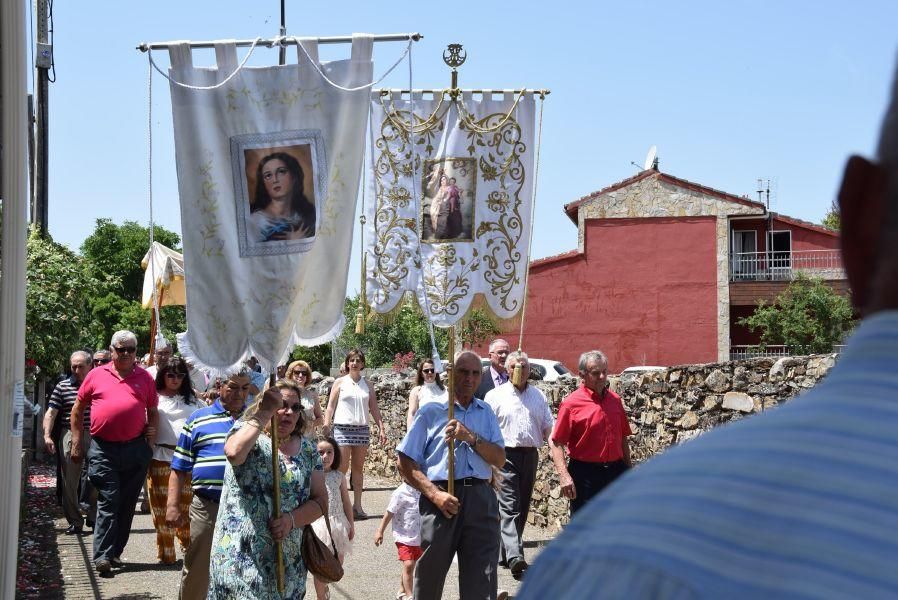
125	349
102	361
176	375
303	373
293	407
428	371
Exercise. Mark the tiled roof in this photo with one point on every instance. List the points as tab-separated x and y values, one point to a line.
571	208
805	224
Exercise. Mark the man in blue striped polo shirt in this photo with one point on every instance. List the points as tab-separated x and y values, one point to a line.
200	459
800	502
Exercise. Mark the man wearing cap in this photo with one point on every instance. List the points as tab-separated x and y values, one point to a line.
466	523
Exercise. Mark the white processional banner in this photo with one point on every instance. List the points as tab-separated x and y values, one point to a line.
450	217
268	172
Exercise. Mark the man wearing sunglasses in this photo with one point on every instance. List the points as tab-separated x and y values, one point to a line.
102	357
465	523
123	418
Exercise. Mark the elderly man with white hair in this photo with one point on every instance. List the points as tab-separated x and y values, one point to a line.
526	422
465	524
123	418
798	502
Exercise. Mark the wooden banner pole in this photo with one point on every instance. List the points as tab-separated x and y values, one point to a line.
276	492
449	371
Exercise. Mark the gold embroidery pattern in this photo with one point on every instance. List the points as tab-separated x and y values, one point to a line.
495	141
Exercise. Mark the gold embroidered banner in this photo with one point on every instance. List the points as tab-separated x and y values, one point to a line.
452	190
268	172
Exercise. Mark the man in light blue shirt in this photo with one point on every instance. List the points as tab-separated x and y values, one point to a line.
466	523
800	502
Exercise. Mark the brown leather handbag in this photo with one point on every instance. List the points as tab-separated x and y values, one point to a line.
320	560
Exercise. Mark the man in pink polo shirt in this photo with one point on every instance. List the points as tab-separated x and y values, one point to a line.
592	424
123	418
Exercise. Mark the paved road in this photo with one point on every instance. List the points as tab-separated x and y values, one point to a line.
371	572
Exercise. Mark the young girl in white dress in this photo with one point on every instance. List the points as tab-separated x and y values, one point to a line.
339	508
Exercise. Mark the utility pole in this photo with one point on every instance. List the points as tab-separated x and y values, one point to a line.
44	61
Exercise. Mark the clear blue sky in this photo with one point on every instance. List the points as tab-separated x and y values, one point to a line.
728	91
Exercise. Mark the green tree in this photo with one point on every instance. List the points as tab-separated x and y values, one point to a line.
404	330
115	252
807	316
57	302
832	220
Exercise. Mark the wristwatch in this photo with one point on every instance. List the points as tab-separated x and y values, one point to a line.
476	441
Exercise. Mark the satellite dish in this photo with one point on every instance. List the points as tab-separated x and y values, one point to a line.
651	159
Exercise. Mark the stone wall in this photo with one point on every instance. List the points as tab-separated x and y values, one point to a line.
665	407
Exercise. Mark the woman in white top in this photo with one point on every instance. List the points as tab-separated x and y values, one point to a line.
300	373
350	401
176	404
428	389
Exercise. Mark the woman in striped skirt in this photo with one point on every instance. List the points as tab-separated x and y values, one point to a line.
350	401
176	403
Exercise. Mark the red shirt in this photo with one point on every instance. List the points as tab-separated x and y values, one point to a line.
118	407
593	428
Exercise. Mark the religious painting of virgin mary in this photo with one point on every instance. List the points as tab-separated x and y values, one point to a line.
277	178
448	201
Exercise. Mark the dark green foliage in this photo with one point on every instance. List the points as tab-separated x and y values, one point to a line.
808	316
57	302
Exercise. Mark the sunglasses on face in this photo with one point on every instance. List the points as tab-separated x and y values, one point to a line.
293	407
125	350
102	361
298	373
428	371
176	375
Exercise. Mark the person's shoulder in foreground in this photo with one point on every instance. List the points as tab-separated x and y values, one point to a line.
799	502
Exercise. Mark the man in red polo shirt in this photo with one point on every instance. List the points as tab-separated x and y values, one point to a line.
123	418
592	425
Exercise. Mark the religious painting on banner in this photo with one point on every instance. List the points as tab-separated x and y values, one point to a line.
269	161
279	178
448	205
452	194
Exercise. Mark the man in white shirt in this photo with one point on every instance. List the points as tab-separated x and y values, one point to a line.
526	423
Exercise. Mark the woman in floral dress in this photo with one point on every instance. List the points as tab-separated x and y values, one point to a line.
242	564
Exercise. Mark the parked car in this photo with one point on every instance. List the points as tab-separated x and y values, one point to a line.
540	368
548	370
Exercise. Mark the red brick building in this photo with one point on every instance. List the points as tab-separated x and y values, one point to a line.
663	270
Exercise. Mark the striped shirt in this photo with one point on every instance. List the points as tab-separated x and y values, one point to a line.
799	502
200	449
63	399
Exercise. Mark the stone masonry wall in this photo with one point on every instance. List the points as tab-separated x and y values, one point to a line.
665	407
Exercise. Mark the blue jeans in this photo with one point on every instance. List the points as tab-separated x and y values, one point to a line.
117	470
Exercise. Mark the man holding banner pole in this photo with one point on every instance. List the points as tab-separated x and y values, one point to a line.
466	522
